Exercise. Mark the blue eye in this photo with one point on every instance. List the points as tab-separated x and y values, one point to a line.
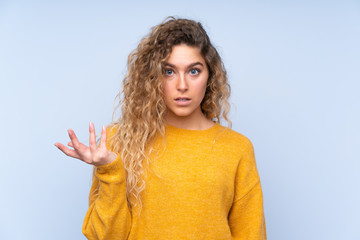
169	72
194	71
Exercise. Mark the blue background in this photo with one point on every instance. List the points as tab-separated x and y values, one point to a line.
294	71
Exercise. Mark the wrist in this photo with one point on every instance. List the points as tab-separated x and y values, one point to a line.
111	158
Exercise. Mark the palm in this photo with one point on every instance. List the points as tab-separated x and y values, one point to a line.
93	154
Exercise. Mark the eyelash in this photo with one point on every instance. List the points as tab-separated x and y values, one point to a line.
196	69
166	71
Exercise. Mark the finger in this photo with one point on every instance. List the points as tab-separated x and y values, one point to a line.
103	138
92	137
74	139
81	145
67	151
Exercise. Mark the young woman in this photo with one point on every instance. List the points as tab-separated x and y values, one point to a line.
167	169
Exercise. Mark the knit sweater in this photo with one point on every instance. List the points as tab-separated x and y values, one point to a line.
205	185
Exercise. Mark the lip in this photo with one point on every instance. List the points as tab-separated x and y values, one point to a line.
182	103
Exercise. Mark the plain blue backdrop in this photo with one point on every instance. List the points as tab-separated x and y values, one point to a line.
294	71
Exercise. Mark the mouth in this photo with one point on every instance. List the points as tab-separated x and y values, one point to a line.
182	99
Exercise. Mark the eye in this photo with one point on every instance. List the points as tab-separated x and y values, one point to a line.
168	72
194	71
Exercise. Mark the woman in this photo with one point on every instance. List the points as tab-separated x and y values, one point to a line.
167	169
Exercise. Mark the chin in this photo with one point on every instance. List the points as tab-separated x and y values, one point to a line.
181	114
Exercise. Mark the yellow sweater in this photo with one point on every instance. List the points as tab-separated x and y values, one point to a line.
206	186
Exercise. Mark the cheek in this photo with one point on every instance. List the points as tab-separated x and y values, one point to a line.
165	89
201	87
167	94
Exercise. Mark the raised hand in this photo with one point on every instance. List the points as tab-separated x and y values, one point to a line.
93	155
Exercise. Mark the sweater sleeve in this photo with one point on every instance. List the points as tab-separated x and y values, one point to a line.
246	216
108	216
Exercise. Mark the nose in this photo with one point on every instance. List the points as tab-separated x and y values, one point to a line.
182	84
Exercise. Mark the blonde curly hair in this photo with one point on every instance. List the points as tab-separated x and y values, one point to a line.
142	107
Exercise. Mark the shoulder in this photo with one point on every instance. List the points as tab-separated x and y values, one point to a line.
233	138
111	129
235	149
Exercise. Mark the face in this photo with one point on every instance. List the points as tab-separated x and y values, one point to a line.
184	84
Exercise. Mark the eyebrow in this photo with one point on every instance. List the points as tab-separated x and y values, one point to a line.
190	66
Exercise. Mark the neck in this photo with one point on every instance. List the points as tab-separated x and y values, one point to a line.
191	123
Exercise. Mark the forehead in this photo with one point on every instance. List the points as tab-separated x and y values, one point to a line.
183	55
